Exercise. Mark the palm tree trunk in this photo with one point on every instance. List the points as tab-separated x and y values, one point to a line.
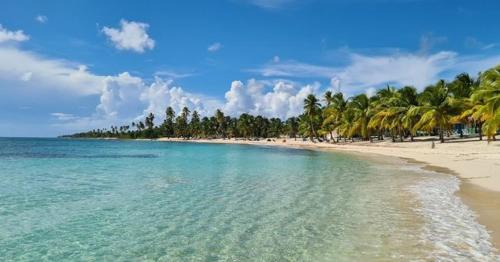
313	131
441	135
480	130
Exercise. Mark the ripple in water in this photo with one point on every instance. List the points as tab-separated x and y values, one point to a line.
124	200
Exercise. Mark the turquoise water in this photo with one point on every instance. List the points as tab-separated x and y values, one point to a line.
142	200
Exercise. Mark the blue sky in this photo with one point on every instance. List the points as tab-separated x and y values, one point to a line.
68	66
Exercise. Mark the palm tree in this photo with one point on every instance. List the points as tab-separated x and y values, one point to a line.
328	98
168	124
487	97
221	123
195	125
275	127
361	106
312	108
292	127
333	113
245	125
437	109
345	127
461	89
392	109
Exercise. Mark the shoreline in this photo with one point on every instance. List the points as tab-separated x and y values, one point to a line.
473	162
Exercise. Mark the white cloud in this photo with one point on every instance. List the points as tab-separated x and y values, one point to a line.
161	94
173	74
130	36
64	116
15	36
284	100
294	68
371	91
31	71
121	98
364	71
41	19
214	47
270	4
120	95
472	42
429	41
26	76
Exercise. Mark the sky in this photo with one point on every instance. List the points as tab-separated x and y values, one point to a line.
69	66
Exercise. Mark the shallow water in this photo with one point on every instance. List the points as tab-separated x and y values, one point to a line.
138	200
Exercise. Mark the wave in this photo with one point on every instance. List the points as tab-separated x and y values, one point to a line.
450	226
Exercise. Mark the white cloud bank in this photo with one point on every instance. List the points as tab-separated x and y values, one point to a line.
130	36
15	36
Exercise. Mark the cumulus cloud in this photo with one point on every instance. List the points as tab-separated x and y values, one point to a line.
130	36
214	47
279	98
121	98
12	36
41	19
161	94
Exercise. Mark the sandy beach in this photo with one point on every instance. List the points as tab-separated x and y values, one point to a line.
476	163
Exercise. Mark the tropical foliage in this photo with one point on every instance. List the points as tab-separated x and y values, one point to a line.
440	109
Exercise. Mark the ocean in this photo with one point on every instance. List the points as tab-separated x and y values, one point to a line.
117	200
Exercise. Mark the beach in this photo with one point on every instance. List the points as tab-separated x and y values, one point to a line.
475	162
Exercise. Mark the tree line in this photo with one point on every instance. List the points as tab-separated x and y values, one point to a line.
399	114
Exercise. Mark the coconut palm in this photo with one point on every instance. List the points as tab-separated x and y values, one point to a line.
487	98
392	109
312	110
221	123
333	113
361	106
195	124
292	127
345	128
437	109
244	125
328	98
168	124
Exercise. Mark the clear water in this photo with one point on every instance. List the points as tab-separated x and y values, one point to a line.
141	200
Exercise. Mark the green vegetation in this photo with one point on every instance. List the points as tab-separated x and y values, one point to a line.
397	113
